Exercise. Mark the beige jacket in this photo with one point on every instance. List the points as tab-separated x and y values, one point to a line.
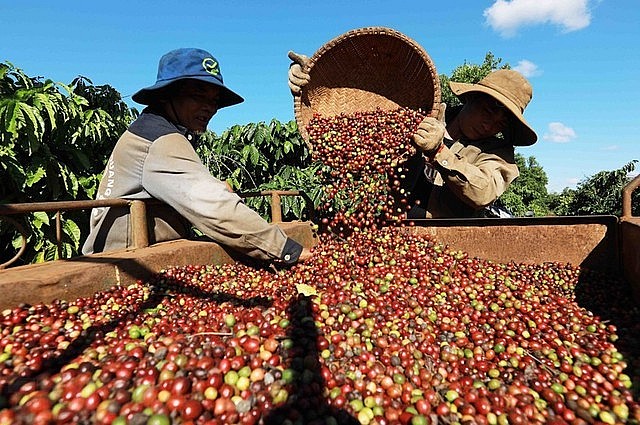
155	159
466	177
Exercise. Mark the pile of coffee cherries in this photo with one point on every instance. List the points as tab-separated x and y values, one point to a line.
381	327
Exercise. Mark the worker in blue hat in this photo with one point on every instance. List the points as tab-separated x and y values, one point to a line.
155	159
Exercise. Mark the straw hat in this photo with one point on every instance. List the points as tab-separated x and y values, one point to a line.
511	89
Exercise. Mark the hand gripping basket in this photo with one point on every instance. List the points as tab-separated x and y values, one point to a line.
365	69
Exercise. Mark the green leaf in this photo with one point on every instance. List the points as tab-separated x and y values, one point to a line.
40	218
250	131
33	122
69	180
39	257
288	146
80	158
50	252
16	242
43	102
9	116
72	230
34	176
251	155
260	135
15	171
90	185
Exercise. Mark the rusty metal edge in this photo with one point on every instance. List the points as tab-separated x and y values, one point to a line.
85	275
485	236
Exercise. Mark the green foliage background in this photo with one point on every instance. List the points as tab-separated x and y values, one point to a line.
260	156
55	139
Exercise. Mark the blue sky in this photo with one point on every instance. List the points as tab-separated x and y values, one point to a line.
581	56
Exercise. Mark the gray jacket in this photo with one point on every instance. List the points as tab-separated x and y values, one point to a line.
155	159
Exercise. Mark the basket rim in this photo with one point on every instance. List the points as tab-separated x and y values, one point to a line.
370	30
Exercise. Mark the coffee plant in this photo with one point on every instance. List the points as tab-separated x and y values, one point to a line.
54	141
260	156
599	194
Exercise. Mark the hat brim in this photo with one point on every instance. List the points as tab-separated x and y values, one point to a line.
522	134
147	95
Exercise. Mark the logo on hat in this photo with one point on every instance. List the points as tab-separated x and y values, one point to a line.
210	66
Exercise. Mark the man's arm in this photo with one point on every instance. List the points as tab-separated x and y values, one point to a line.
478	178
174	174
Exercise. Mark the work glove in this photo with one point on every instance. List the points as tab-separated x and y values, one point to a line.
430	133
297	76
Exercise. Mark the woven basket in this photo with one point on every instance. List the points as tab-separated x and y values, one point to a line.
365	69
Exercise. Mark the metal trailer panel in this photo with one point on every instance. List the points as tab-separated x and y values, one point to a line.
582	241
630	253
598	242
83	276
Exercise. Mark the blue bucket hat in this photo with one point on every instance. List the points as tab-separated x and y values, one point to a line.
188	63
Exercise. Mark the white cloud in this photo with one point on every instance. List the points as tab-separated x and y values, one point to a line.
527	68
559	133
611	148
507	16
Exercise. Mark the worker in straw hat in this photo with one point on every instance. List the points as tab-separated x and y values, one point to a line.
465	157
155	158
